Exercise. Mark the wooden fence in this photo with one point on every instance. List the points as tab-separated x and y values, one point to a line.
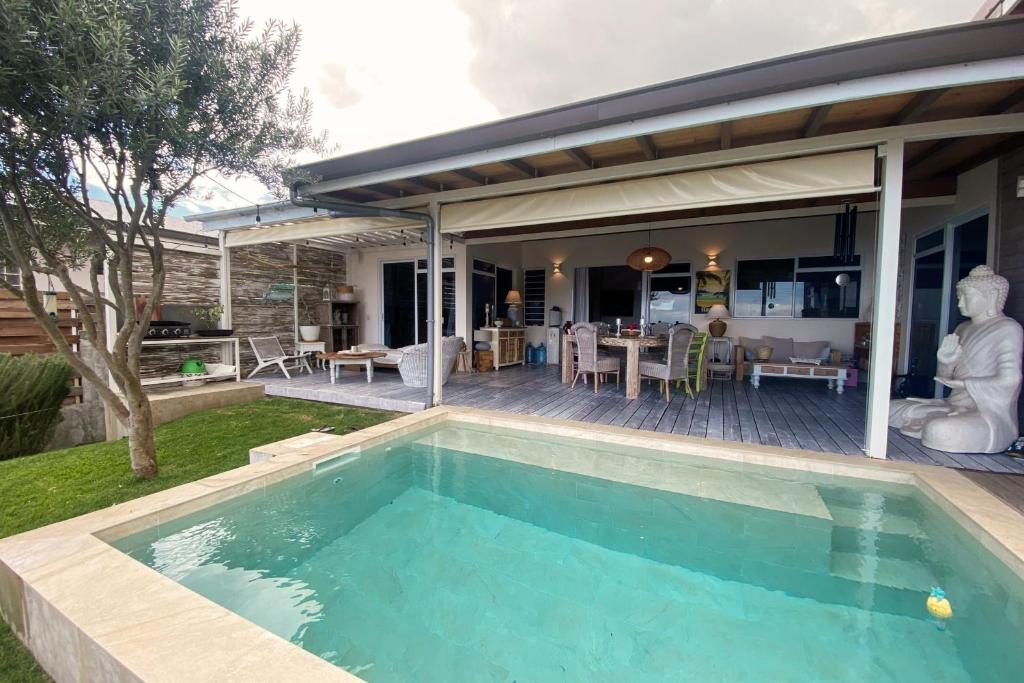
20	333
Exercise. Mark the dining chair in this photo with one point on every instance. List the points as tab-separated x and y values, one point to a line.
695	376
677	358
589	360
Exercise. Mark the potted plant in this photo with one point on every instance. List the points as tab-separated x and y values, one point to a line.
210	317
309	327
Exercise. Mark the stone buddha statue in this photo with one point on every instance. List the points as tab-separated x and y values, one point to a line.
981	363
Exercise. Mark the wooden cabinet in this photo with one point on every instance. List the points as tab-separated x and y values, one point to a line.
507	343
862	347
339	324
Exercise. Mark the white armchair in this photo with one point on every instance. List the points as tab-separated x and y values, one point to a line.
413	364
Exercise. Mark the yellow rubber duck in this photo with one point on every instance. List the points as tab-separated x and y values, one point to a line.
938	605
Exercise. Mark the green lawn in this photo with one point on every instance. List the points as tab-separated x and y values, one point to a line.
41	489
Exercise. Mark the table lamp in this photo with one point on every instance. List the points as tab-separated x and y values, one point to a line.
514	300
716	327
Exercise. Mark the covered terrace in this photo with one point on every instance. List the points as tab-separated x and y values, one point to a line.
743	164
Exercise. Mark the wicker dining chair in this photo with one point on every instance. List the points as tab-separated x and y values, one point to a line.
675	366
589	360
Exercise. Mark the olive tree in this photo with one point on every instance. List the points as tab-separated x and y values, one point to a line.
129	102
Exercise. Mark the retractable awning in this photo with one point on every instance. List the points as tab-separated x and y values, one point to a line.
839	174
374	231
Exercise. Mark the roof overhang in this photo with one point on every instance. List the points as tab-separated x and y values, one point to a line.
953	94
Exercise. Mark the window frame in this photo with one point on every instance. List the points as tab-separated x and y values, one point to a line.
10	273
857	266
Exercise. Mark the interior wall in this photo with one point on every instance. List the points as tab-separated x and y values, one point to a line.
807	236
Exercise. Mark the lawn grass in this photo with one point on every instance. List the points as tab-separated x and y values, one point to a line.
49	487
37	490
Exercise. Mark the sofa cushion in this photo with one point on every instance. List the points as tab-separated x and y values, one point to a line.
749	345
813	349
782	348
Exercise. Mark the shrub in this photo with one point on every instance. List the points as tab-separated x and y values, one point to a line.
32	388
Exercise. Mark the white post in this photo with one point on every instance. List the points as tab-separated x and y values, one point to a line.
883	321
229	357
435	213
295	298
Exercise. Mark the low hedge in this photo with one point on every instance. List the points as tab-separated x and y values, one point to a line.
32	389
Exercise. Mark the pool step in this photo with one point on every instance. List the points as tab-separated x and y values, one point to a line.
884	571
890	523
724	482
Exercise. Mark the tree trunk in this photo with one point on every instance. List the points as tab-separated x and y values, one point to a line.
141	444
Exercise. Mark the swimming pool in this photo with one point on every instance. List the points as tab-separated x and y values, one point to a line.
466	552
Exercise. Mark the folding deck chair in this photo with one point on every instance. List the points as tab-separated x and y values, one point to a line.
268	351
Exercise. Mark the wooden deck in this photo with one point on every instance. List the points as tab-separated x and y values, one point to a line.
803	415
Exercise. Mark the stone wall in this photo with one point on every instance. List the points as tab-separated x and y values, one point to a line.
254	269
192	280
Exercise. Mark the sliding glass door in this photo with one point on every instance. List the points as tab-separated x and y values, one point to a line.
941	258
399	304
404	301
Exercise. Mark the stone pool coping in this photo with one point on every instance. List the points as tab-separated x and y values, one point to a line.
90	613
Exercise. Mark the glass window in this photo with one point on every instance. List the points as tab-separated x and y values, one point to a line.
670	298
483	266
10	274
483	294
929	241
615	293
447	305
827	294
764	288
534	284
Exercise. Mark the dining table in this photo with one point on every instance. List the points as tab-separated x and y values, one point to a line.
632	344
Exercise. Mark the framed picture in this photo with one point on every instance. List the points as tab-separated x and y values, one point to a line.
712	288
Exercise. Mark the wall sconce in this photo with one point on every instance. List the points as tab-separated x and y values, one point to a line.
712	262
556	269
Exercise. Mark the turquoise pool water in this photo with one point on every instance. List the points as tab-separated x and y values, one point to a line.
425	562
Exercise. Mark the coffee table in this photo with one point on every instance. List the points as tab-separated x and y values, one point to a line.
834	374
339	358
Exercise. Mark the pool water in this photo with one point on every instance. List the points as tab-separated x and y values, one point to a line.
427	560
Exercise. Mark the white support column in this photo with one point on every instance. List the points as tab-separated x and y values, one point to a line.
435	213
295	298
883	321
228	357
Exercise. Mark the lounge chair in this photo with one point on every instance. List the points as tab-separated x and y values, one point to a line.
268	351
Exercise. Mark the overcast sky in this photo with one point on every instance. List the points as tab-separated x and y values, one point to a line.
385	71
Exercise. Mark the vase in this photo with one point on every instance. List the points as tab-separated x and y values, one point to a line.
309	333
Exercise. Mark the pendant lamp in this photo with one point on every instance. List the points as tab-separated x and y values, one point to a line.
648	258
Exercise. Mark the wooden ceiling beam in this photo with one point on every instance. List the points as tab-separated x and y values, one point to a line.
582	159
725	136
1004	146
522	167
918	105
647	146
1007	105
423	183
472	176
815	120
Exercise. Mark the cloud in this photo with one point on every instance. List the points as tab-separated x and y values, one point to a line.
534	54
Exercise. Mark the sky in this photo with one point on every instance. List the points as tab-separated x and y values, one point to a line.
386	71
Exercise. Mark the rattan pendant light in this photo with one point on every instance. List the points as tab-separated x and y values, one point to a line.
648	258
